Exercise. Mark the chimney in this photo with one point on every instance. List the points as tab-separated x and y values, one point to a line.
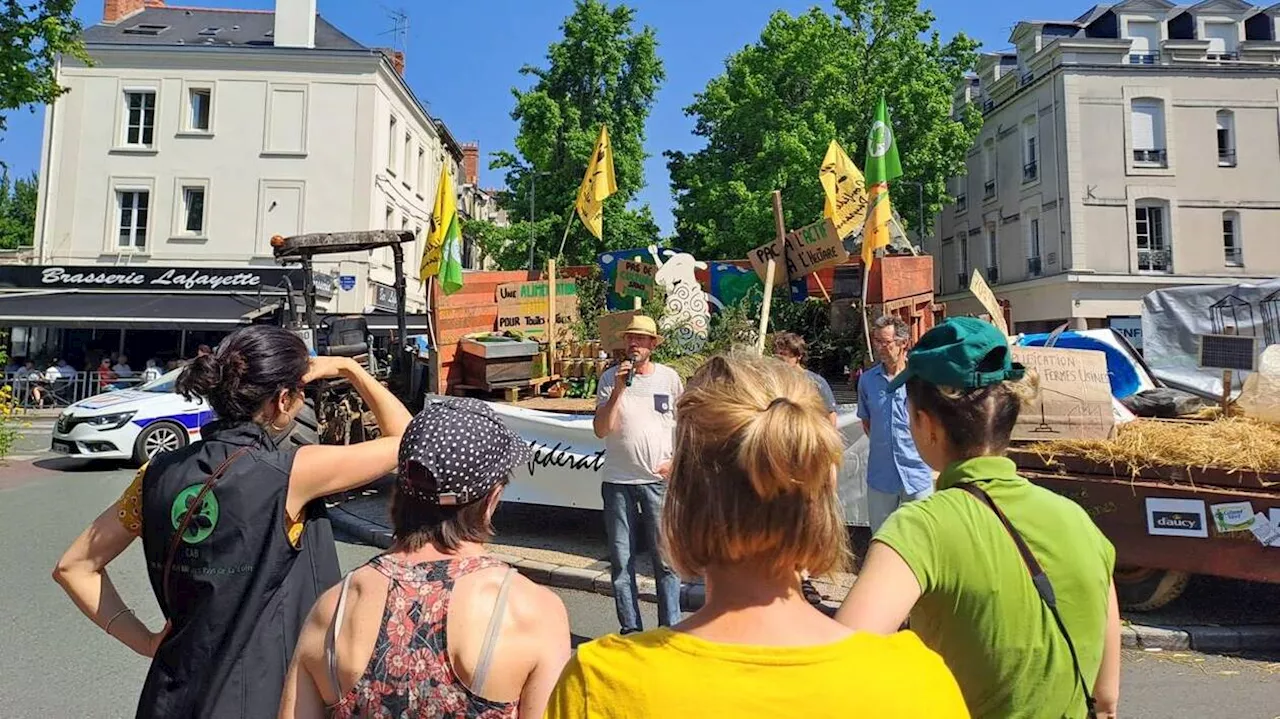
471	163
295	23
395	57
113	11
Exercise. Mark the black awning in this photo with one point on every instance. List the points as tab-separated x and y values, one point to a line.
140	310
379	322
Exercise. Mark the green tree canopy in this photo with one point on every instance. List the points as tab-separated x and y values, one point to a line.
811	79
602	71
17	211
33	34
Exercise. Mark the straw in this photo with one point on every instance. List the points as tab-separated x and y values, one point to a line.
1236	444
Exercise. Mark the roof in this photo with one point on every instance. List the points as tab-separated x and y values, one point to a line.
201	26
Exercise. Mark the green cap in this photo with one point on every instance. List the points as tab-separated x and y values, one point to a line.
963	353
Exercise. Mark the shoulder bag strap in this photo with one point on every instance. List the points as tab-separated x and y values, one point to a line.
1041	581
186	519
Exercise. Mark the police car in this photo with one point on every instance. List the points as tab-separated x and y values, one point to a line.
134	424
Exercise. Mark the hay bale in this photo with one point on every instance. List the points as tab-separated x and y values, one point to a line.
1235	444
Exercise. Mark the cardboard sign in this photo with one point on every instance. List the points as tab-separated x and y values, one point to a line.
634	279
522	306
814	247
760	256
610	327
1075	395
987	298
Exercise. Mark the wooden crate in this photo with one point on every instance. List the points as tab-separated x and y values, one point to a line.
899	276
481	372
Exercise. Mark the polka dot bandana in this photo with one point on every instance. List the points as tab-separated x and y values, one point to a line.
463	445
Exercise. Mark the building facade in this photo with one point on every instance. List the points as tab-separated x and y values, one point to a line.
197	135
1134	148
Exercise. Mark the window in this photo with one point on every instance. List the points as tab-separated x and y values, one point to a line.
1224	40
1145	36
133	207
1226	138
140	125
1231	247
989	170
392	137
1153	245
993	255
422	167
193	210
390	219
408	155
199	101
964	261
145	29
1034	266
1030	150
210	31
1148	133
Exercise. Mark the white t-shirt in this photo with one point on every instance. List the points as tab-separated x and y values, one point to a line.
646	437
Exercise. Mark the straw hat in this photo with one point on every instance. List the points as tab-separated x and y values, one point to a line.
642	325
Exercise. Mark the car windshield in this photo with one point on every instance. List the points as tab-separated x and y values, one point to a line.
162	384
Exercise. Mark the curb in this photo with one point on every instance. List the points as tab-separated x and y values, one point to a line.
1200	638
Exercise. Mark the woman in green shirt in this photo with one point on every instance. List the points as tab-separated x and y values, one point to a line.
950	564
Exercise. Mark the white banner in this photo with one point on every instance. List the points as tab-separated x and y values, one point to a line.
567	460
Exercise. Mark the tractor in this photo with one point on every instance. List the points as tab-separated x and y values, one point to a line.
335	413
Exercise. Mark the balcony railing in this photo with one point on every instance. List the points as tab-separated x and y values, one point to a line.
1226	158
962	280
1030	171
1025	78
993	275
1033	266
988	105
988	189
1144	58
1151	158
962	203
1234	256
1154	261
1220	56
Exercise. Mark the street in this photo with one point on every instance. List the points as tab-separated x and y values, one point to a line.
57	664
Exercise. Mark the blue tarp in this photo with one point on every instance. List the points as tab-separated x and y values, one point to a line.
1121	370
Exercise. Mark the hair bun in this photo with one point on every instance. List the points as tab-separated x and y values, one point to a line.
199	378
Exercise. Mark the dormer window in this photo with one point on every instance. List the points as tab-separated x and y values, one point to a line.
1224	40
1145	37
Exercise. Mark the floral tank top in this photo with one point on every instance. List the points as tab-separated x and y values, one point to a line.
409	675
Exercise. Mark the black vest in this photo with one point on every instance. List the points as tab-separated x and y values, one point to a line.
238	590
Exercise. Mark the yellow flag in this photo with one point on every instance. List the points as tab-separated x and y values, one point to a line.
845	191
875	233
443	216
597	185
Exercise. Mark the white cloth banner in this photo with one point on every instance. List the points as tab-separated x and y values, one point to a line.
567	459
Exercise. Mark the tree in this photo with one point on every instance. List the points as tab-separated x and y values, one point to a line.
17	211
602	71
32	36
811	79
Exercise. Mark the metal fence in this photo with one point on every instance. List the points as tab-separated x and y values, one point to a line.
29	390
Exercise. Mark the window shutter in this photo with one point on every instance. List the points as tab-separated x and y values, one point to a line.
1148	125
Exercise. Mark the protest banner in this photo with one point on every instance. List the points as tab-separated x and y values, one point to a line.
523	307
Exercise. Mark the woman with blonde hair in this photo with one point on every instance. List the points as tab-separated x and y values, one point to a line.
1008	581
751	502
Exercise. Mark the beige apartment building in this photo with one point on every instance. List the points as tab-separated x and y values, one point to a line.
1133	148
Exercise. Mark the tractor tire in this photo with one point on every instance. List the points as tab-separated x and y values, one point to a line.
1143	590
306	427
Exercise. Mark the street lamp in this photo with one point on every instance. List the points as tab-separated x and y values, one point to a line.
533	194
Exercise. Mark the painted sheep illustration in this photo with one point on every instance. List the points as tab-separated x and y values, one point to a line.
688	318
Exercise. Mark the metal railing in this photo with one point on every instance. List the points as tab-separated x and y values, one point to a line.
1152	157
1219	56
988	189
1234	256
1033	267
962	203
1226	158
962	280
1154	261
993	275
1144	58
1030	171
31	392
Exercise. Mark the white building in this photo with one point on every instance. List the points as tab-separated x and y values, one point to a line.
197	135
1131	149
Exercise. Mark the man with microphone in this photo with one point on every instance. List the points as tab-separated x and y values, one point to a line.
635	416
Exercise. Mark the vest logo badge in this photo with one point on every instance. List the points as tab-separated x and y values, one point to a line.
203	519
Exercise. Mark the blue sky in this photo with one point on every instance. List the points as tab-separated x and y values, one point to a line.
465	74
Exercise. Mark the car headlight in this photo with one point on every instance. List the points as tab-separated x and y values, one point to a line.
109	421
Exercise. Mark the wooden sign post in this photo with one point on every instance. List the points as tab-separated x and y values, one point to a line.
551	314
771	269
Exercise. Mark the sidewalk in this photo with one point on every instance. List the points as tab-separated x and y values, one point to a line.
565	548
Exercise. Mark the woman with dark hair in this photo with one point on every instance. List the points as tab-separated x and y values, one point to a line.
1008	581
237	547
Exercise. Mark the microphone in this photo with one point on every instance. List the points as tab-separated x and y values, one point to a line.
635	357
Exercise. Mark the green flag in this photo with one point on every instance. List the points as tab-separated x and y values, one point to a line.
882	149
451	268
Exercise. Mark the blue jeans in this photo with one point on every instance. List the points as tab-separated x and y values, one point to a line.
629	509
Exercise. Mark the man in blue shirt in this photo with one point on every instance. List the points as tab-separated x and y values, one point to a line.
895	472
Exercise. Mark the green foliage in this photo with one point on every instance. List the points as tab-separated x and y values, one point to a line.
32	36
602	71
811	79
8	407
830	352
17	211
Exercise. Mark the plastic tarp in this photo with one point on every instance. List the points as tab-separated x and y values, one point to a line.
1173	320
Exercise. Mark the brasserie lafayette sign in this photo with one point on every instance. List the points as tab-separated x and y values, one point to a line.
160	279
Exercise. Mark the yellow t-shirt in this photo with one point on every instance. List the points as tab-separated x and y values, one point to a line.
663	673
129	511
